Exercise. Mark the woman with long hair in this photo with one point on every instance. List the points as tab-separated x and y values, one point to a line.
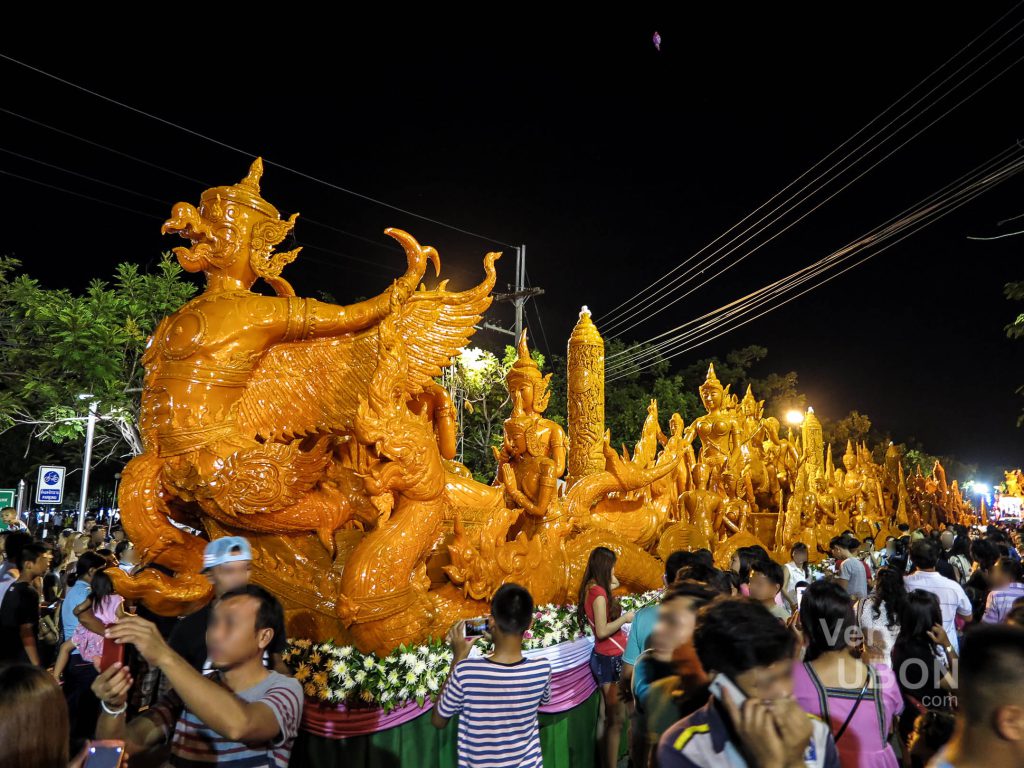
922	658
740	565
857	700
598	609
878	615
33	719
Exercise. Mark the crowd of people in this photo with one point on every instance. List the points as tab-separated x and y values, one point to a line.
907	655
858	664
80	664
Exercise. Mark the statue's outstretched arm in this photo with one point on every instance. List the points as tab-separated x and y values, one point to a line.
333	320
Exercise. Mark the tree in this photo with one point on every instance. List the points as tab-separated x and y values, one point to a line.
629	393
56	345
478	379
779	393
854	426
1015	330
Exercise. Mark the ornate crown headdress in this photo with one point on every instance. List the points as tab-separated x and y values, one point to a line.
525	370
265	233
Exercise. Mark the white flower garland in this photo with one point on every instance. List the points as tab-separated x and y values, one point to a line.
341	674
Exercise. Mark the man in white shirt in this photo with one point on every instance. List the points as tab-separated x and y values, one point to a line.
924	553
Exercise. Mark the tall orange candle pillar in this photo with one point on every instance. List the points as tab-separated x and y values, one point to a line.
585	374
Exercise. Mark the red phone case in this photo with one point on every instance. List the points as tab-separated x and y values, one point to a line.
111	652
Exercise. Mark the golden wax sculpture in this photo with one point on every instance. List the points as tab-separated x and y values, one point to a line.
585	363
533	455
318	431
275	417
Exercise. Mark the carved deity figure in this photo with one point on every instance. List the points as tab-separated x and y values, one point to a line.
733	512
719	429
701	506
249	401
533	454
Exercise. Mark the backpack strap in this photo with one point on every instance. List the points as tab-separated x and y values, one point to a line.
822	696
883	726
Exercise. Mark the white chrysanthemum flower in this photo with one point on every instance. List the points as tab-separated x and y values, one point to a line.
348	683
423	650
421	692
369	663
432	684
419	667
340	668
360	676
345	651
411	677
385	696
408	659
392	678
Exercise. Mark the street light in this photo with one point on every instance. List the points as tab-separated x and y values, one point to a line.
90	430
794	417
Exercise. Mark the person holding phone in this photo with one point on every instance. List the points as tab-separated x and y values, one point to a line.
751	718
240	714
497	696
598	609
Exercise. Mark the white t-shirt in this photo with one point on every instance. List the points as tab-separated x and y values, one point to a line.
952	599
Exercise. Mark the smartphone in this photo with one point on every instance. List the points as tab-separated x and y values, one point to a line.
476	627
724	683
800	594
112	652
104	754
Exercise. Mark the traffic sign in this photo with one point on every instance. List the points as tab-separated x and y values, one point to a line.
50	486
8	497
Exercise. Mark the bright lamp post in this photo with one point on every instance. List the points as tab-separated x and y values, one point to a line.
90	430
794	418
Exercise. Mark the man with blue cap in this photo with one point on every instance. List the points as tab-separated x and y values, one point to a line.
227	563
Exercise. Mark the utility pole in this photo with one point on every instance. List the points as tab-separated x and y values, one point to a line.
90	430
520	293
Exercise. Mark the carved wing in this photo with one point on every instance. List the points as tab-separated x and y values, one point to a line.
313	387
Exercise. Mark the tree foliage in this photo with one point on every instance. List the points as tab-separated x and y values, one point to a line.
56	345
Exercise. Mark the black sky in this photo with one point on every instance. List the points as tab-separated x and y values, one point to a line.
609	160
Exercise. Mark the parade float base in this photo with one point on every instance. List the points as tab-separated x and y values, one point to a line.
567	739
370	737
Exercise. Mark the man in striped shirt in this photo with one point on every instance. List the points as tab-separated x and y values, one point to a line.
496	697
1006	589
242	714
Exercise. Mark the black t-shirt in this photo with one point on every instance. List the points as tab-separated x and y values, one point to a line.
20	606
188	638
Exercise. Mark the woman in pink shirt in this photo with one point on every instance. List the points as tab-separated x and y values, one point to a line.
858	701
598	609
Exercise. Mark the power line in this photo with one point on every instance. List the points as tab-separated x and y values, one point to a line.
903	229
394	248
616	316
536	311
968	177
726	268
765	294
225	145
79	194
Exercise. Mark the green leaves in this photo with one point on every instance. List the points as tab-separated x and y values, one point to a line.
56	345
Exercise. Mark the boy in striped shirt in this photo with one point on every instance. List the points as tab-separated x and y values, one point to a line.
496	697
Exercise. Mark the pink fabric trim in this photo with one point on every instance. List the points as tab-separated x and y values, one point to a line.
568	689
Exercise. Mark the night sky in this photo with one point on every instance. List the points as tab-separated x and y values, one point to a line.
611	161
